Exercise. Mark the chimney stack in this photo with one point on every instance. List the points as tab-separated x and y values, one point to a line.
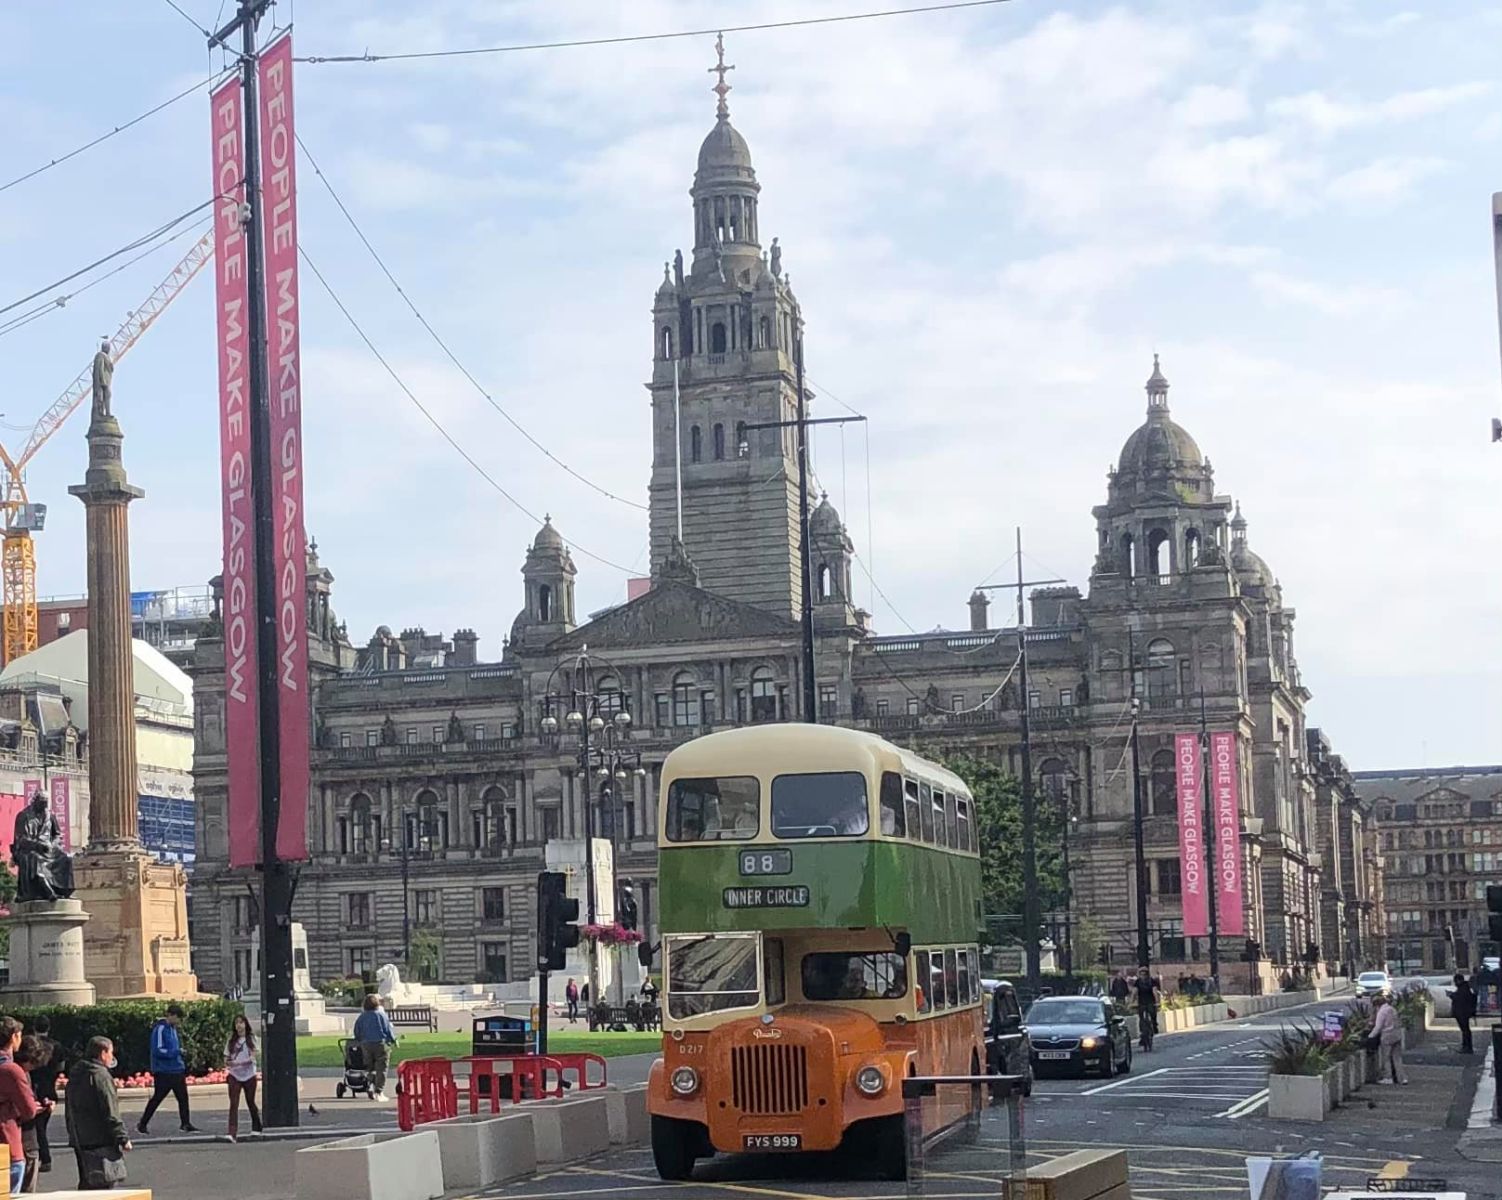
979	604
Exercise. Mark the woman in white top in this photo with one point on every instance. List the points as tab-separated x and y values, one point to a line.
240	1061
1388	1029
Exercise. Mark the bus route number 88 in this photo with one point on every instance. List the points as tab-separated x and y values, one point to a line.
766	862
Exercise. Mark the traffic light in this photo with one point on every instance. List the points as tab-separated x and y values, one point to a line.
1494	908
556	913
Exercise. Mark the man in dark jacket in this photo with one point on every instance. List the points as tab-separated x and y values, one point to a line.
1463	1008
93	1109
44	1084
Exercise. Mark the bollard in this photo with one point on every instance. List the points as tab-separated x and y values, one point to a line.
1497	1072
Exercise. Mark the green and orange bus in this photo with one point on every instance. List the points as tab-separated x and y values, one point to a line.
820	914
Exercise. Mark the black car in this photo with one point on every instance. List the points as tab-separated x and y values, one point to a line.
1008	1050
1078	1033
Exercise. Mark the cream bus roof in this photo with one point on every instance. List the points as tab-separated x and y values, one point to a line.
799	747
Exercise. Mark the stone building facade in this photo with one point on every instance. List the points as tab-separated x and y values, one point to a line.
1441	839
416	734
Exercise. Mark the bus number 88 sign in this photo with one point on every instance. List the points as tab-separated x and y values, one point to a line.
766	862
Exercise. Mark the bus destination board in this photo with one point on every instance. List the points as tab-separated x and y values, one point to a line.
766	897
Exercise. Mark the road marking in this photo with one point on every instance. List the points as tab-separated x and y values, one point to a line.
1248	1105
725	1187
1396	1169
1106	1087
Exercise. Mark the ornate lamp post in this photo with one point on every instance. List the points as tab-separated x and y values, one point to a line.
600	721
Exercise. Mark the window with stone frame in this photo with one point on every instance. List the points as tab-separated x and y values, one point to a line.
345	741
763	695
492	963
1164	785
883	708
1170	879
493	904
427	907
549	822
357	908
685	700
359	960
372	737
829	700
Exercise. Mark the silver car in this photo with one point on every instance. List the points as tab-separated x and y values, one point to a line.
1373	983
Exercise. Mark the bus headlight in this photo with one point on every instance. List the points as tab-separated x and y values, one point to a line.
685	1081
869	1081
1088	1043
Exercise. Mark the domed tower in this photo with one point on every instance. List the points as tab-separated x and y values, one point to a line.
830	551
722	347
1161	518
548	578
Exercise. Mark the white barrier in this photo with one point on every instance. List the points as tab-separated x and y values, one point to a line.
566	1130
629	1123
486	1148
408	1167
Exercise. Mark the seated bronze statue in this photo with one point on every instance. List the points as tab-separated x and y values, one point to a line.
44	870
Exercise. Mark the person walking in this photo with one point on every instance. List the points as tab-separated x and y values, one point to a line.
17	1105
44	1086
1120	988
31	1057
169	1070
1388	1030
571	994
240	1063
375	1037
1463	1009
93	1117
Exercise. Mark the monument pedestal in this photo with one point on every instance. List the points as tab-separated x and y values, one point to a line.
47	954
137	943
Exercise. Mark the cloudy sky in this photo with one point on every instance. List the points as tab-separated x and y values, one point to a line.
993	217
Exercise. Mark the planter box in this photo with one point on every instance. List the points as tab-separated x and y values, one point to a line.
1297	1097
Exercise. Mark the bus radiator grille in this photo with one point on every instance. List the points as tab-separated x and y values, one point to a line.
769	1080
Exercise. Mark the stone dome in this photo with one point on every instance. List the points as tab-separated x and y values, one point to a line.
724	147
1159	445
825	518
547	537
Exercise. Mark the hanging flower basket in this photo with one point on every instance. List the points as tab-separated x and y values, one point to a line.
610	935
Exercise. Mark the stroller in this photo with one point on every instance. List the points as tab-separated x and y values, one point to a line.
355	1079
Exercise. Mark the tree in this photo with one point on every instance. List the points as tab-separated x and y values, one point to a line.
427	955
998	814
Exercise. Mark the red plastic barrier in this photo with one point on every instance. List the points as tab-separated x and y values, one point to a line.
428	1092
579	1065
526	1078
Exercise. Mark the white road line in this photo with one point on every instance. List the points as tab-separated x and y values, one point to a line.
1250	1105
1106	1087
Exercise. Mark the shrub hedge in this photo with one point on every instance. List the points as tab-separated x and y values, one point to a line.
204	1030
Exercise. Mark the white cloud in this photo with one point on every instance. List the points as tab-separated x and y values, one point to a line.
1326	115
1386	179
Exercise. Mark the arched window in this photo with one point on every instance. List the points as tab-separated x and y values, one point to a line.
612	701
1191	548
823	590
763	695
719	442
544	602
428	825
1164	785
742	446
716	338
766	333
685	699
665	344
490	826
695	444
354	837
1129	556
1158	556
1161	668
1053	777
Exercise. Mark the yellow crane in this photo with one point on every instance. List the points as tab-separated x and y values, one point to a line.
23	518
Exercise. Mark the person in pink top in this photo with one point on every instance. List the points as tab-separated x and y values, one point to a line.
240	1062
1387	1028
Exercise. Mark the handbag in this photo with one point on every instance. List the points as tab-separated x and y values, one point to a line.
1373	1042
103	1167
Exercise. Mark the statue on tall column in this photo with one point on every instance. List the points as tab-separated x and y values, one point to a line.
44	870
104	374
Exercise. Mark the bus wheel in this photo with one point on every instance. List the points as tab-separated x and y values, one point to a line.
891	1148
672	1148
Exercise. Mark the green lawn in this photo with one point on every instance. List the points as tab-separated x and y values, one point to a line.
323	1051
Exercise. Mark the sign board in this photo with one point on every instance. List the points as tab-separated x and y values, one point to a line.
1194	878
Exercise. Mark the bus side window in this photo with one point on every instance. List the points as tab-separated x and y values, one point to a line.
962	823
941	833
949	822
925	804
937	997
922	981
893	820
772	969
951	978
966	996
914	821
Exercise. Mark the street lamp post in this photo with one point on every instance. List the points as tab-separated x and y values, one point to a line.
1071	823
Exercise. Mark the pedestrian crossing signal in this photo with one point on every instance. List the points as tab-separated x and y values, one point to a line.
557	933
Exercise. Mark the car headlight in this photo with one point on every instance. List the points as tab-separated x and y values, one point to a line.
1088	1043
869	1081
685	1081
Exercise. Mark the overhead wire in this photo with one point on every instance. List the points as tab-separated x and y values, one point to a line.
432	420
179	11
444	346
624	39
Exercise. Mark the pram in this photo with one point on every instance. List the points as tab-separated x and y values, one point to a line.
355	1078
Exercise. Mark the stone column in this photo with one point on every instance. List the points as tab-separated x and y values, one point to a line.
113	780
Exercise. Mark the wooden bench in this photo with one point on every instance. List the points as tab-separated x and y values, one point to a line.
420	1015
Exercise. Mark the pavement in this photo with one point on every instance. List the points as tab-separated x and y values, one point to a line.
1187	1116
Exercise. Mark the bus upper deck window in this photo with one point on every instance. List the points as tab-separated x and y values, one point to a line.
914	821
893	820
713	810
926	810
829	804
962	823
951	834
941	827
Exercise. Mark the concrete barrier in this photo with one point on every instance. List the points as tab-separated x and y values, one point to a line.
408	1167
485	1148
629	1122
566	1130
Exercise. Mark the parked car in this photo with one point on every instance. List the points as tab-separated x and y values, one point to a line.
1373	983
1078	1033
1008	1044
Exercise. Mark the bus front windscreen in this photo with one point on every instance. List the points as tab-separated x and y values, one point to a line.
830	804
711	973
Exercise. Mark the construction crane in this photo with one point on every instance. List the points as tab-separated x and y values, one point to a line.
23	518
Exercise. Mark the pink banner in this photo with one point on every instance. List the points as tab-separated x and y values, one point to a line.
61	806
1194	879
279	231
10	808
1225	782
231	307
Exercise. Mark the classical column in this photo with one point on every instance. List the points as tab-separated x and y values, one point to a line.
106	497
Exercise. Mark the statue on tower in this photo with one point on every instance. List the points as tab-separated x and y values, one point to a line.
104	374
44	870
776	259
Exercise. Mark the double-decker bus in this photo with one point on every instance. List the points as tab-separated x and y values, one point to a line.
819	911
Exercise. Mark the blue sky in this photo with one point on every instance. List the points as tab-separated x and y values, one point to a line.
993	219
